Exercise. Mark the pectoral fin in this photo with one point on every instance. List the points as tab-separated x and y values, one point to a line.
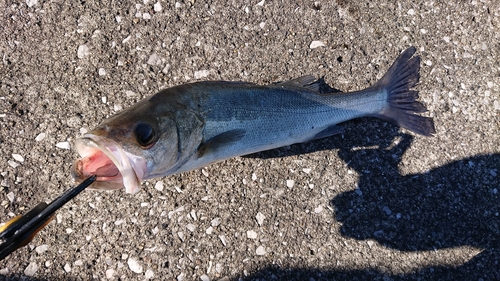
220	141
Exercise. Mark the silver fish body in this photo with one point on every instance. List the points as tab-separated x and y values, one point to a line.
193	125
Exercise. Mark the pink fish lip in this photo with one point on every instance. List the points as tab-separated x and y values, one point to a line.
114	167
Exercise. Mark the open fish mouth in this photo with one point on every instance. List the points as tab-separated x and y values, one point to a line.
114	167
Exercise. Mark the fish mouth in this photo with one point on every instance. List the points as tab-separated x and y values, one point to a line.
114	167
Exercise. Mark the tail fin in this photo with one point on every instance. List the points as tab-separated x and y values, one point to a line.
402	105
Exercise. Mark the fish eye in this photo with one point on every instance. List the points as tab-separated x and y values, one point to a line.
145	134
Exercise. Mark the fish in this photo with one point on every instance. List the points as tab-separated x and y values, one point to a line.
193	125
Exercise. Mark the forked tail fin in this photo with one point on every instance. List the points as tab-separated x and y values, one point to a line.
402	105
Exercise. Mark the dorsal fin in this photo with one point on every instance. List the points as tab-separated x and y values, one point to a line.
307	82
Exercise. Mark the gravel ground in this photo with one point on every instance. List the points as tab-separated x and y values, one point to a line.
374	203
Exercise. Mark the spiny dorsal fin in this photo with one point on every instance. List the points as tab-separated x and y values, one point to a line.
218	142
307	81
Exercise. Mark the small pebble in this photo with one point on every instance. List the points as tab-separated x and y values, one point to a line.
63	145
40	137
159	186
102	71
181	235
42	249
154	59
82	51
251	234
201	74
13	163
4	271
204	277
149	274
146	16
157	7
191	227
254	176
260	251
178	5
109	273
31	269
318	209
11	196
134	265
261	3
31	3
209	230
290	183
223	240
67	268
306	170
18	157
181	276
260	218
316	44
79	263
215	222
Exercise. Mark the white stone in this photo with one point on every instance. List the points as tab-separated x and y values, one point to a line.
40	137
31	3
260	218
261	3
102	71
223	240
109	273
146	16
118	19
251	234
13	163
201	74
117	107
31	269
181	235
306	170
178	5
157	7
134	265
209	230
42	248
260	251
318	209
83	51
317	43
215	222
254	177
104	99
126	39
4	271
63	145
204	277
149	274
290	183
154	59
79	263
191	227
18	157
159	186
67	268
411	12
166	69
11	196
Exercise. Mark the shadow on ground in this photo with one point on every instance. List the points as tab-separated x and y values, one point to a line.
450	206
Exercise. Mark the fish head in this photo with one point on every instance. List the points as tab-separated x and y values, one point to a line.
126	148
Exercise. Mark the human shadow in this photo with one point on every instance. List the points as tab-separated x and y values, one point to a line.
450	206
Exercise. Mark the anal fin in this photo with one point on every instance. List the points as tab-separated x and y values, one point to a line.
330	131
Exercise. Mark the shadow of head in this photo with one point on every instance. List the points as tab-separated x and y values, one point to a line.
453	205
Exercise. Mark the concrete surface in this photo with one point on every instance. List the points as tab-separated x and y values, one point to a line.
374	203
